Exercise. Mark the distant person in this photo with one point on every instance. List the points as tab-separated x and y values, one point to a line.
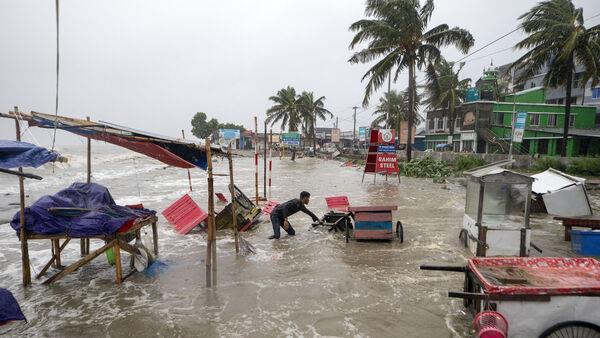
281	212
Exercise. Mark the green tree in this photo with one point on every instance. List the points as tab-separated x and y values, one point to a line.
230	125
202	128
392	106
558	39
444	90
286	109
396	33
311	110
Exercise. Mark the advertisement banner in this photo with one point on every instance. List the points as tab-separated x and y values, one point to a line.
386	163
386	136
388	149
519	129
404	133
291	138
227	136
335	135
362	134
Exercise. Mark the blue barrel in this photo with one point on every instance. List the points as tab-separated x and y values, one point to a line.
586	242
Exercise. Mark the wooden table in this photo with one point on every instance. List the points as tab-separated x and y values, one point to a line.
116	241
592	222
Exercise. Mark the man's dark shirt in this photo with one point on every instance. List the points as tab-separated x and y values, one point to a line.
291	207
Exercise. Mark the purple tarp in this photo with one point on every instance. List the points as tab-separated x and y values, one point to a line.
105	218
14	154
9	308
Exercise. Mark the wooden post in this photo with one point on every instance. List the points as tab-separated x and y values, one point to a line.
236	234
56	252
189	174
84	244
22	231
270	159
256	159
155	238
481	232
211	268
118	267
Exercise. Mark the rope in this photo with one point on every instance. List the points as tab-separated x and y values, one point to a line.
57	73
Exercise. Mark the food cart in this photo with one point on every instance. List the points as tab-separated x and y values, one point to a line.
531	296
496	219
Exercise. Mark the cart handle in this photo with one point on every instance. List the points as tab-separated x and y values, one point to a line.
443	268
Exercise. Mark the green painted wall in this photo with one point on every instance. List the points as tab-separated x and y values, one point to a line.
531	96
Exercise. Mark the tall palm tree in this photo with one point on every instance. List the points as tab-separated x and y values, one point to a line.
312	110
396	33
444	89
392	106
286	109
558	39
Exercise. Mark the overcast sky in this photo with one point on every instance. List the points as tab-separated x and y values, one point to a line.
151	64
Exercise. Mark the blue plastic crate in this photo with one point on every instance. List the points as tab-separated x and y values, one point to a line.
586	242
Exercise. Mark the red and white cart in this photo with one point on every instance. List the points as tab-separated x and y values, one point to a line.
534	296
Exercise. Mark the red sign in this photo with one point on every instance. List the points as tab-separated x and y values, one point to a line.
386	163
386	136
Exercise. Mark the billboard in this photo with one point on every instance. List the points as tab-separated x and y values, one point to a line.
386	163
519	129
335	135
362	134
291	138
227	136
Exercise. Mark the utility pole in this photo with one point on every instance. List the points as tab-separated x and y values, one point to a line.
354	131
336	122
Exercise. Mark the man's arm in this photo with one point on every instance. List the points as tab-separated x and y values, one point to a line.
308	212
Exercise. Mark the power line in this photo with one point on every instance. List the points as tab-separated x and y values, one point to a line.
489	44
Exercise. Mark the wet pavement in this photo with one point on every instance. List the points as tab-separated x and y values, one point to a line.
312	284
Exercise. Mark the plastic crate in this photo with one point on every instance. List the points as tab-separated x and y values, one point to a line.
586	242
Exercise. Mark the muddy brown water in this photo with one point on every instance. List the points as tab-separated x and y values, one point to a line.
312	284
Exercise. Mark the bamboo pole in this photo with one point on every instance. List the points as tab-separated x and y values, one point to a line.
256	158
189	173
84	244
265	164
270	159
211	268
236	234
22	231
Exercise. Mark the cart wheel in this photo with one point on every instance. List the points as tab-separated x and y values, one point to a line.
463	237
400	231
572	329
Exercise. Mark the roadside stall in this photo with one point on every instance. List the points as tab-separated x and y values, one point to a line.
496	219
531	296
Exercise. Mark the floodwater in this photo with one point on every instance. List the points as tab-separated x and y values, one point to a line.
312	284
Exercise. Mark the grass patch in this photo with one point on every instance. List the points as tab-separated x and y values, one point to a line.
544	163
426	167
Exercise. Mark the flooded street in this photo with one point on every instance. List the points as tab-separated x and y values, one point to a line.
312	284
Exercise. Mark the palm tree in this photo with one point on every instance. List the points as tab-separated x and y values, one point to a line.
397	34
311	110
445	90
392	106
286	109
558	39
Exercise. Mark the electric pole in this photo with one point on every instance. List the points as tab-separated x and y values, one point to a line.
354	131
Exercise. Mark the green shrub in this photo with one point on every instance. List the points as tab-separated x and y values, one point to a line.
587	166
426	167
543	163
467	162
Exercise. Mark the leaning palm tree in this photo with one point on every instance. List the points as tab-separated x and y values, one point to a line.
312	110
286	109
397	34
444	90
558	39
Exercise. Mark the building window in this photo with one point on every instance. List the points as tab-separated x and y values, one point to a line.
596	93
534	120
577	80
551	120
571	121
533	85
431	124
457	123
440	123
500	119
445	123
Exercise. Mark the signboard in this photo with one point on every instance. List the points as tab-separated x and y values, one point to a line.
335	135
386	136
519	128
291	138
227	136
362	134
404	133
388	149
276	138
386	163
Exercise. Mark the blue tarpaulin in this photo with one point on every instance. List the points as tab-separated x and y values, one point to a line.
9	308
101	217
14	154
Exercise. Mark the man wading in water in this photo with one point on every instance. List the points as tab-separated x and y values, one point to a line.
281	212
